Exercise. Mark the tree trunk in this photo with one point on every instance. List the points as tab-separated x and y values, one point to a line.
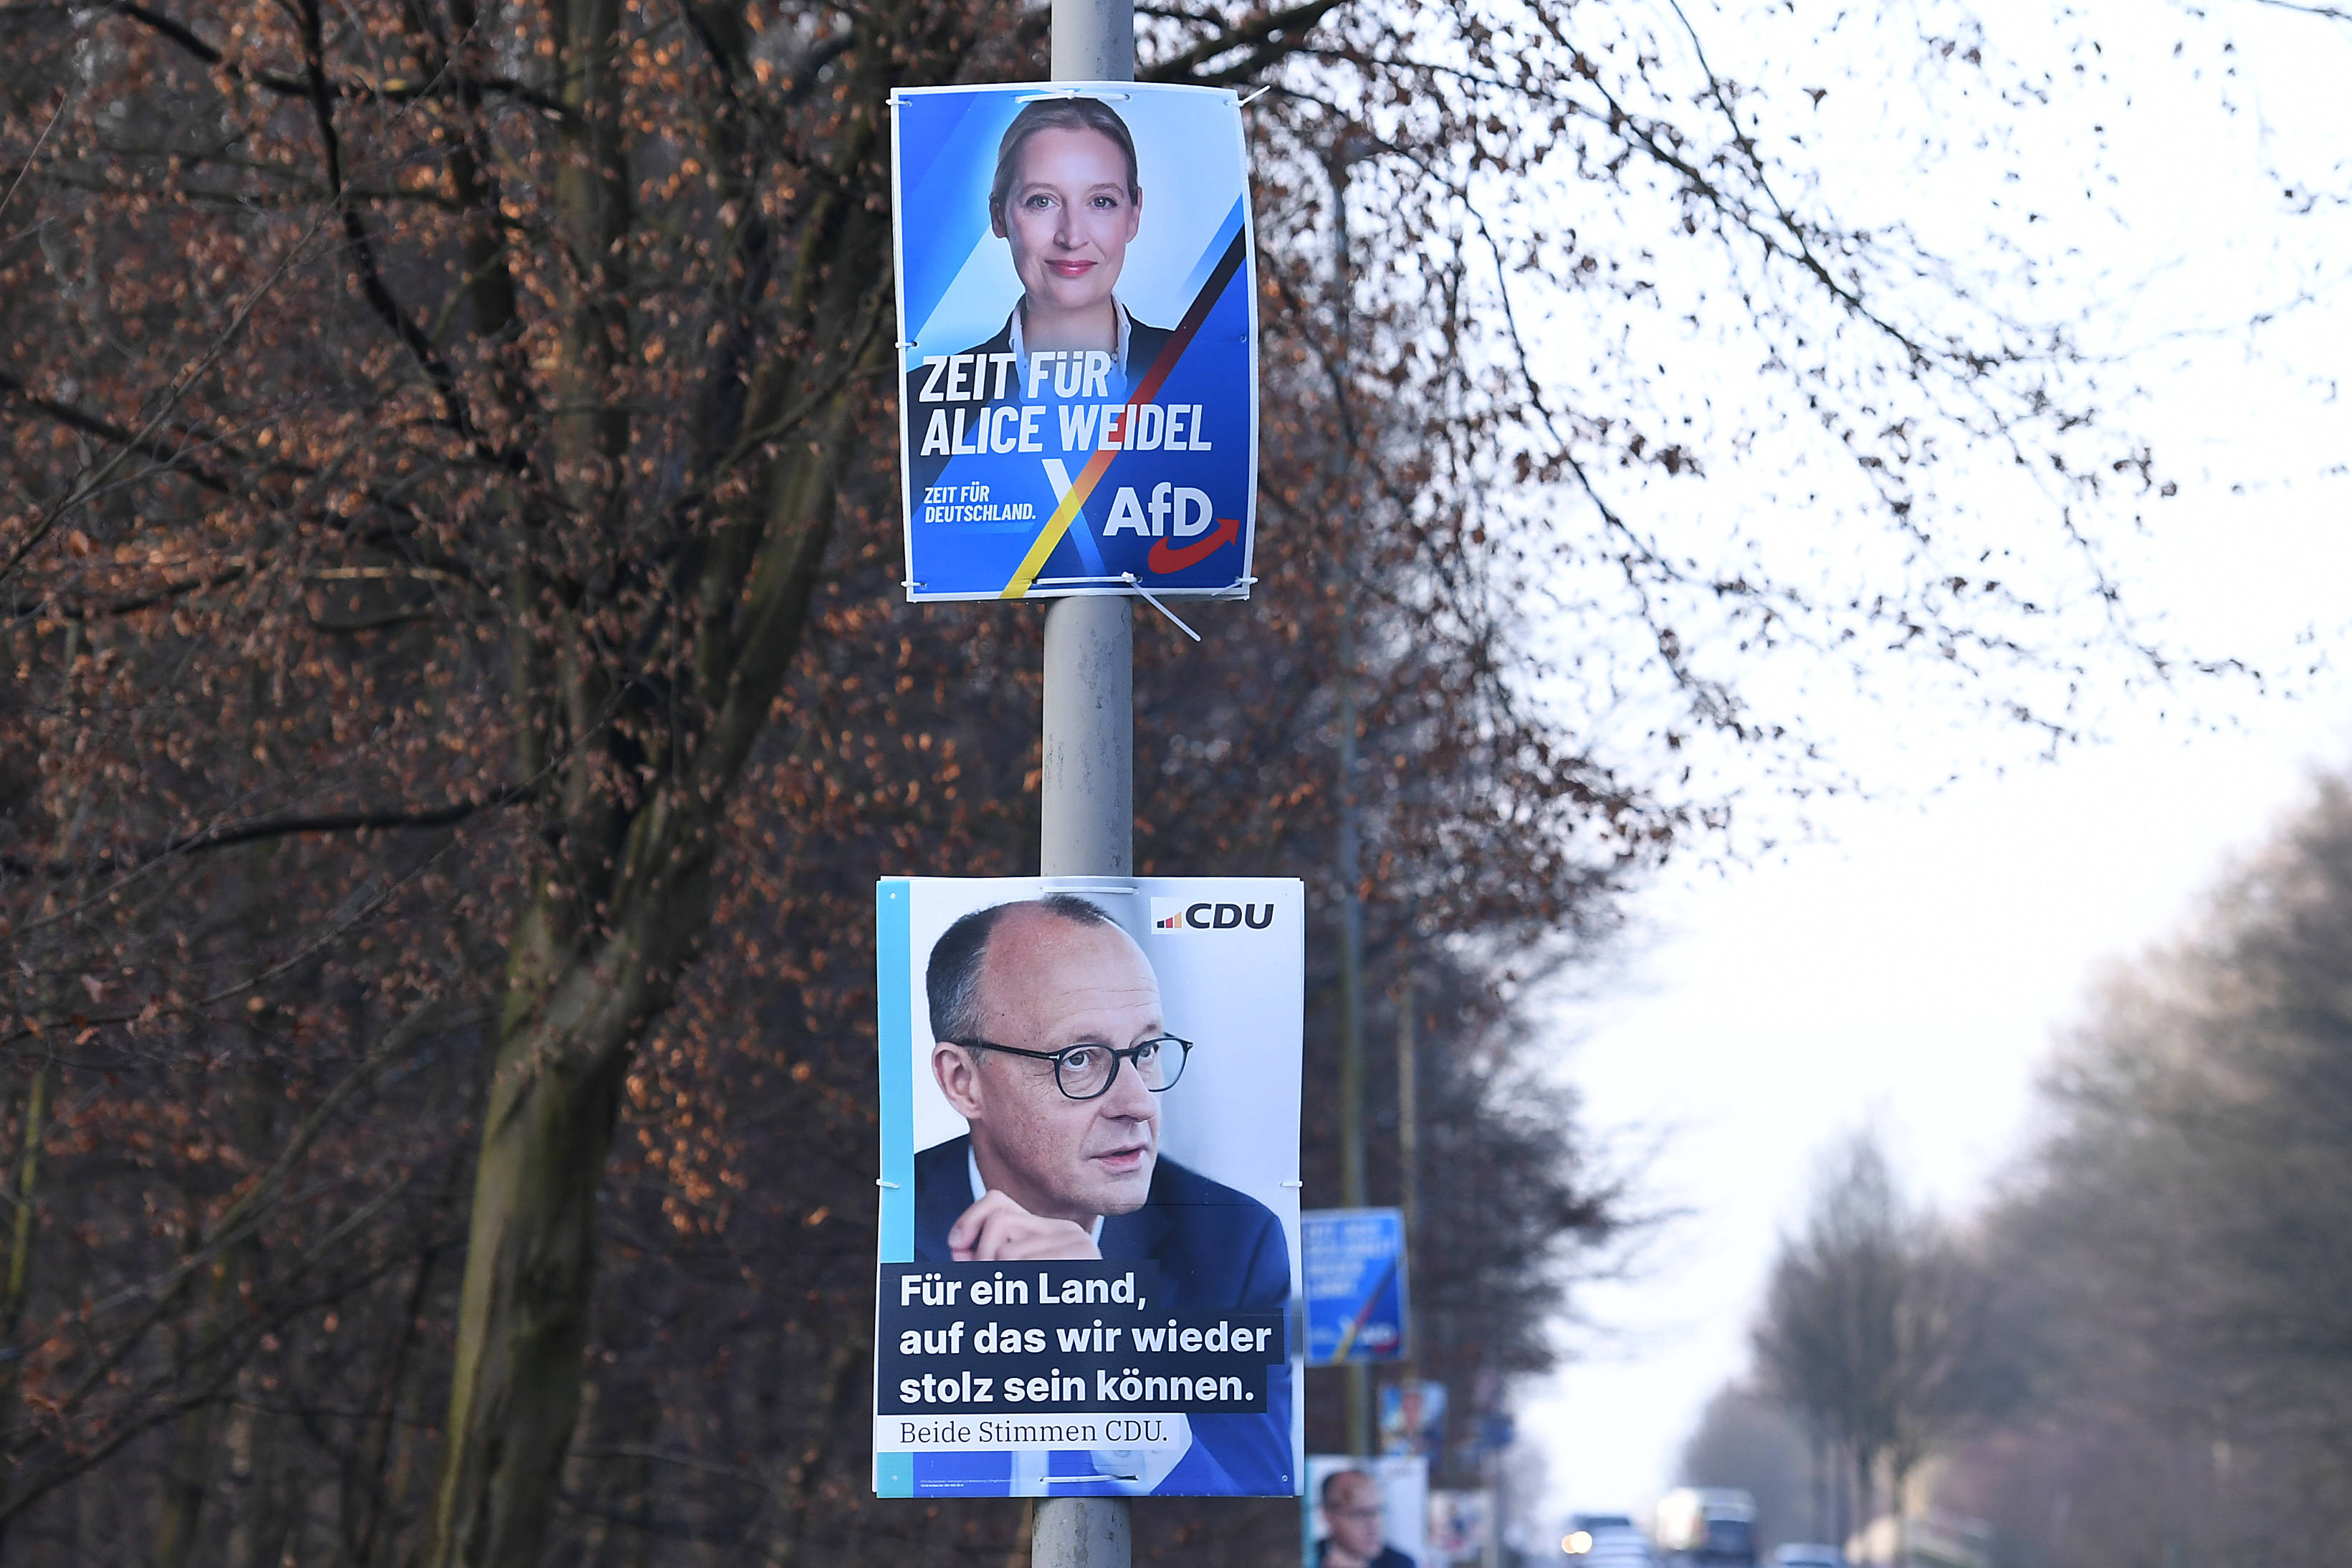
374	1489
188	1468
810	1474
1818	1473
1864	1498
523	1310
1898	1477
575	1009
16	1286
624	893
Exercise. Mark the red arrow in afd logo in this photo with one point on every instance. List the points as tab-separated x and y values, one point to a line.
1165	558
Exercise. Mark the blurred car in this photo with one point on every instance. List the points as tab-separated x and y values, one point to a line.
1630	1549
1807	1554
1708	1527
1607	1540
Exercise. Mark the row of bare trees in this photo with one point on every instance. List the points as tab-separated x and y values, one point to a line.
1876	1342
2138	1354
2174	1259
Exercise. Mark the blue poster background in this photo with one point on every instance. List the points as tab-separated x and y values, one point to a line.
1354	1272
989	449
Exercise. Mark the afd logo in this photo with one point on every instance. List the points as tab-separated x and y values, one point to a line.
1175	914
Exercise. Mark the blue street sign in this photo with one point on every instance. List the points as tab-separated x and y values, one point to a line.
1355	1285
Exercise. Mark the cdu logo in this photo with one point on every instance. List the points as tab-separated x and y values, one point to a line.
1176	914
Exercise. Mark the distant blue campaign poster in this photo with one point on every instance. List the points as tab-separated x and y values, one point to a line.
1078	396
1355	1285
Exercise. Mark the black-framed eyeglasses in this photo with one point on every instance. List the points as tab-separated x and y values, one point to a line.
1086	1071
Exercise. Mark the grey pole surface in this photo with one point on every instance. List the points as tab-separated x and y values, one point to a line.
1088	789
1087	793
1408	1132
1358	1388
1081	1532
1093	40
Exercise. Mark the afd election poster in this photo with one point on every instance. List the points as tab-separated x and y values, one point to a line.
1089	1209
1355	1286
1078	392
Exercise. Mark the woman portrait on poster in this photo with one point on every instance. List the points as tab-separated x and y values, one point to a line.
1068	202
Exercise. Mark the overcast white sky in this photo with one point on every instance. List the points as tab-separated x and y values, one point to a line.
1909	968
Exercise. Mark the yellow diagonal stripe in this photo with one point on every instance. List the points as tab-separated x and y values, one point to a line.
1024	574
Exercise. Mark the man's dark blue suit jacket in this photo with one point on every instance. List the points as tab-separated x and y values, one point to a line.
1219	1251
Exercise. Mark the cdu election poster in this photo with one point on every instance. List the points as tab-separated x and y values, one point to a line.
1078	375
1372	1511
1089	1211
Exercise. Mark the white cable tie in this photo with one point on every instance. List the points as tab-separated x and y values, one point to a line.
1072	92
1252	98
880	1183
1293	1184
1153	600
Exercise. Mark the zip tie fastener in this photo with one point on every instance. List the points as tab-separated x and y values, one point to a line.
1153	600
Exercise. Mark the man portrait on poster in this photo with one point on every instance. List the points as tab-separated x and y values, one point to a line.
1355	1523
1052	1046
